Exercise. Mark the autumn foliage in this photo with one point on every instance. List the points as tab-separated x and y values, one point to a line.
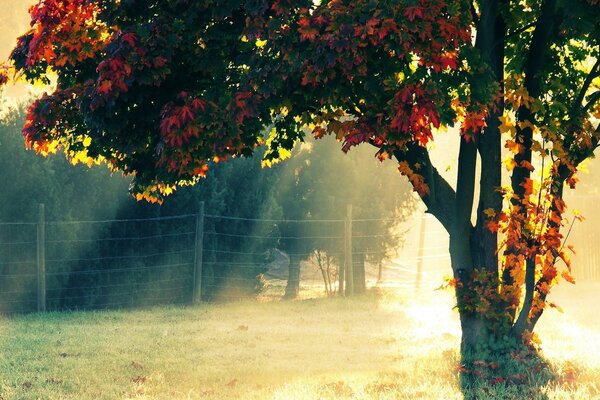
162	90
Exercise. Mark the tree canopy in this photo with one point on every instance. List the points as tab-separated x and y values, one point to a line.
159	89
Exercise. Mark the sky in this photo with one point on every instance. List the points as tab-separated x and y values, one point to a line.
14	21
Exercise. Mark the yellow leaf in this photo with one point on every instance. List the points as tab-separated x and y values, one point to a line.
510	164
404	168
512	146
490	212
506	125
526	124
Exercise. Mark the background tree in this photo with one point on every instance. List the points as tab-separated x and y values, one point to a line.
160	89
324	184
68	193
233	265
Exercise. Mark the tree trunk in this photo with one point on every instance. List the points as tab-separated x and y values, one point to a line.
293	284
470	322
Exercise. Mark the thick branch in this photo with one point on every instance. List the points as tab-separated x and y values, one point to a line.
441	196
545	30
460	245
592	100
491	37
557	191
581	156
523	319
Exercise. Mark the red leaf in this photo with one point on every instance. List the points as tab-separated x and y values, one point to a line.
130	38
413	12
186	114
104	87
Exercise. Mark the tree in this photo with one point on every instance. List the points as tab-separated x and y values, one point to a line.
354	179
68	193
158	89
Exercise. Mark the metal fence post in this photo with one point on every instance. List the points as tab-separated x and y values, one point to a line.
348	252
197	292
41	260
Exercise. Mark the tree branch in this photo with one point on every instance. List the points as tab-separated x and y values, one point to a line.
545	29
460	243
490	41
557	191
441	197
593	98
523	319
594	72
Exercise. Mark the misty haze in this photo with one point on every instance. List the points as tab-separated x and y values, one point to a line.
299	199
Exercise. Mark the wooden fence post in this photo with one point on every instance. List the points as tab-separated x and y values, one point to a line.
341	273
197	292
349	266
41	260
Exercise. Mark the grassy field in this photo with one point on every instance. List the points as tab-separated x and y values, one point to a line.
389	344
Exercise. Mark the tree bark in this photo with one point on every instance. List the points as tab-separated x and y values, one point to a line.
546	28
441	197
474	249
293	284
491	33
460	246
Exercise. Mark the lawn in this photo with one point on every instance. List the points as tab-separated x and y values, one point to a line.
388	344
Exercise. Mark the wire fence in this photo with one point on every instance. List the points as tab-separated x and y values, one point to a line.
18	266
97	264
186	258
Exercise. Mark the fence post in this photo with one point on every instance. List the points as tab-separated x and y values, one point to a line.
341	274
41	260
349	266
420	253
197	292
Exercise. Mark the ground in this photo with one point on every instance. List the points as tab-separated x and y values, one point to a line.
392	343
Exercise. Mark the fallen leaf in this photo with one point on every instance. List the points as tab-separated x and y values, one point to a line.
232	383
137	365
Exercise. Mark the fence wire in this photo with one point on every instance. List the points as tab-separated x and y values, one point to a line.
142	262
18	267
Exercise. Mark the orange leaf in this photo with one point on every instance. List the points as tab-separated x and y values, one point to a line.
568	277
528	186
104	87
512	146
527	165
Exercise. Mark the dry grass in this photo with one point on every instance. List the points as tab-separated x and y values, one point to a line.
393	344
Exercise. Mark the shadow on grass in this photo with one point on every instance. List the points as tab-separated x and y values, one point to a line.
520	374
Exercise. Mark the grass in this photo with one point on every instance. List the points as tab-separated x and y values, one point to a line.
392	344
